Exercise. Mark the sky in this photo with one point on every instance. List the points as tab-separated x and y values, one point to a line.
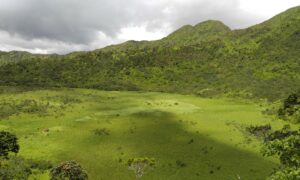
63	26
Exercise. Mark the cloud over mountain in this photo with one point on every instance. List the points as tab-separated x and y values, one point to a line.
61	26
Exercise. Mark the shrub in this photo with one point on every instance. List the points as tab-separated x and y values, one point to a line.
11	107
290	109
39	164
101	132
64	99
259	131
280	134
180	164
70	170
15	168
8	143
207	92
140	166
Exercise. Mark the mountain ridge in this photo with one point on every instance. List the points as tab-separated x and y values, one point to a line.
261	61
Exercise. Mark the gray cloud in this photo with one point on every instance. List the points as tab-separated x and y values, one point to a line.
65	25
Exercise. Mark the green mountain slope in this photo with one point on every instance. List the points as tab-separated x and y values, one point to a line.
262	61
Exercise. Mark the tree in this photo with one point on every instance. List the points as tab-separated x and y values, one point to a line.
70	170
292	100
284	143
8	143
140	166
291	108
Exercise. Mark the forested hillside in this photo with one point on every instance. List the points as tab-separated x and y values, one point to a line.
262	61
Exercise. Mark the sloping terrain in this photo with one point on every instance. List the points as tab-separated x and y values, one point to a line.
208	59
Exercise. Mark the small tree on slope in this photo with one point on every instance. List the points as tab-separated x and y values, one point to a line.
140	166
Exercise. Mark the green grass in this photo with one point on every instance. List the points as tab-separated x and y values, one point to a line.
204	134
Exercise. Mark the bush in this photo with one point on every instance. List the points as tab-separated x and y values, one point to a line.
101	132
140	166
207	93
280	134
259	131
14	168
290	109
39	164
11	107
180	164
8	143
64	99
70	170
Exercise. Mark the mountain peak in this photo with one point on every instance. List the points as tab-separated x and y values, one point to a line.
200	32
212	25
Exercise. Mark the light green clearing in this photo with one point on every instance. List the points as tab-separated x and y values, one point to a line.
156	125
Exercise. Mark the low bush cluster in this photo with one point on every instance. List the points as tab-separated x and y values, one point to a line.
290	109
259	130
180	164
69	170
101	132
13	107
64	99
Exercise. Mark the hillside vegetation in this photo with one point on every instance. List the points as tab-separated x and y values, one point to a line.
262	61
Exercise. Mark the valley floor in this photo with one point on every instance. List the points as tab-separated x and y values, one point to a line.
189	137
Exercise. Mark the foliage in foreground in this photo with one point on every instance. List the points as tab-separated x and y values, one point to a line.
285	144
11	167
14	167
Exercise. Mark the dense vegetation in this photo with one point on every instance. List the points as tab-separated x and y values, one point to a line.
284	144
208	59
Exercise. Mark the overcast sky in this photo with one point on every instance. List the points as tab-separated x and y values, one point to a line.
62	26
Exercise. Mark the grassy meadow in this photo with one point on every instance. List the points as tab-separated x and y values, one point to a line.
189	137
